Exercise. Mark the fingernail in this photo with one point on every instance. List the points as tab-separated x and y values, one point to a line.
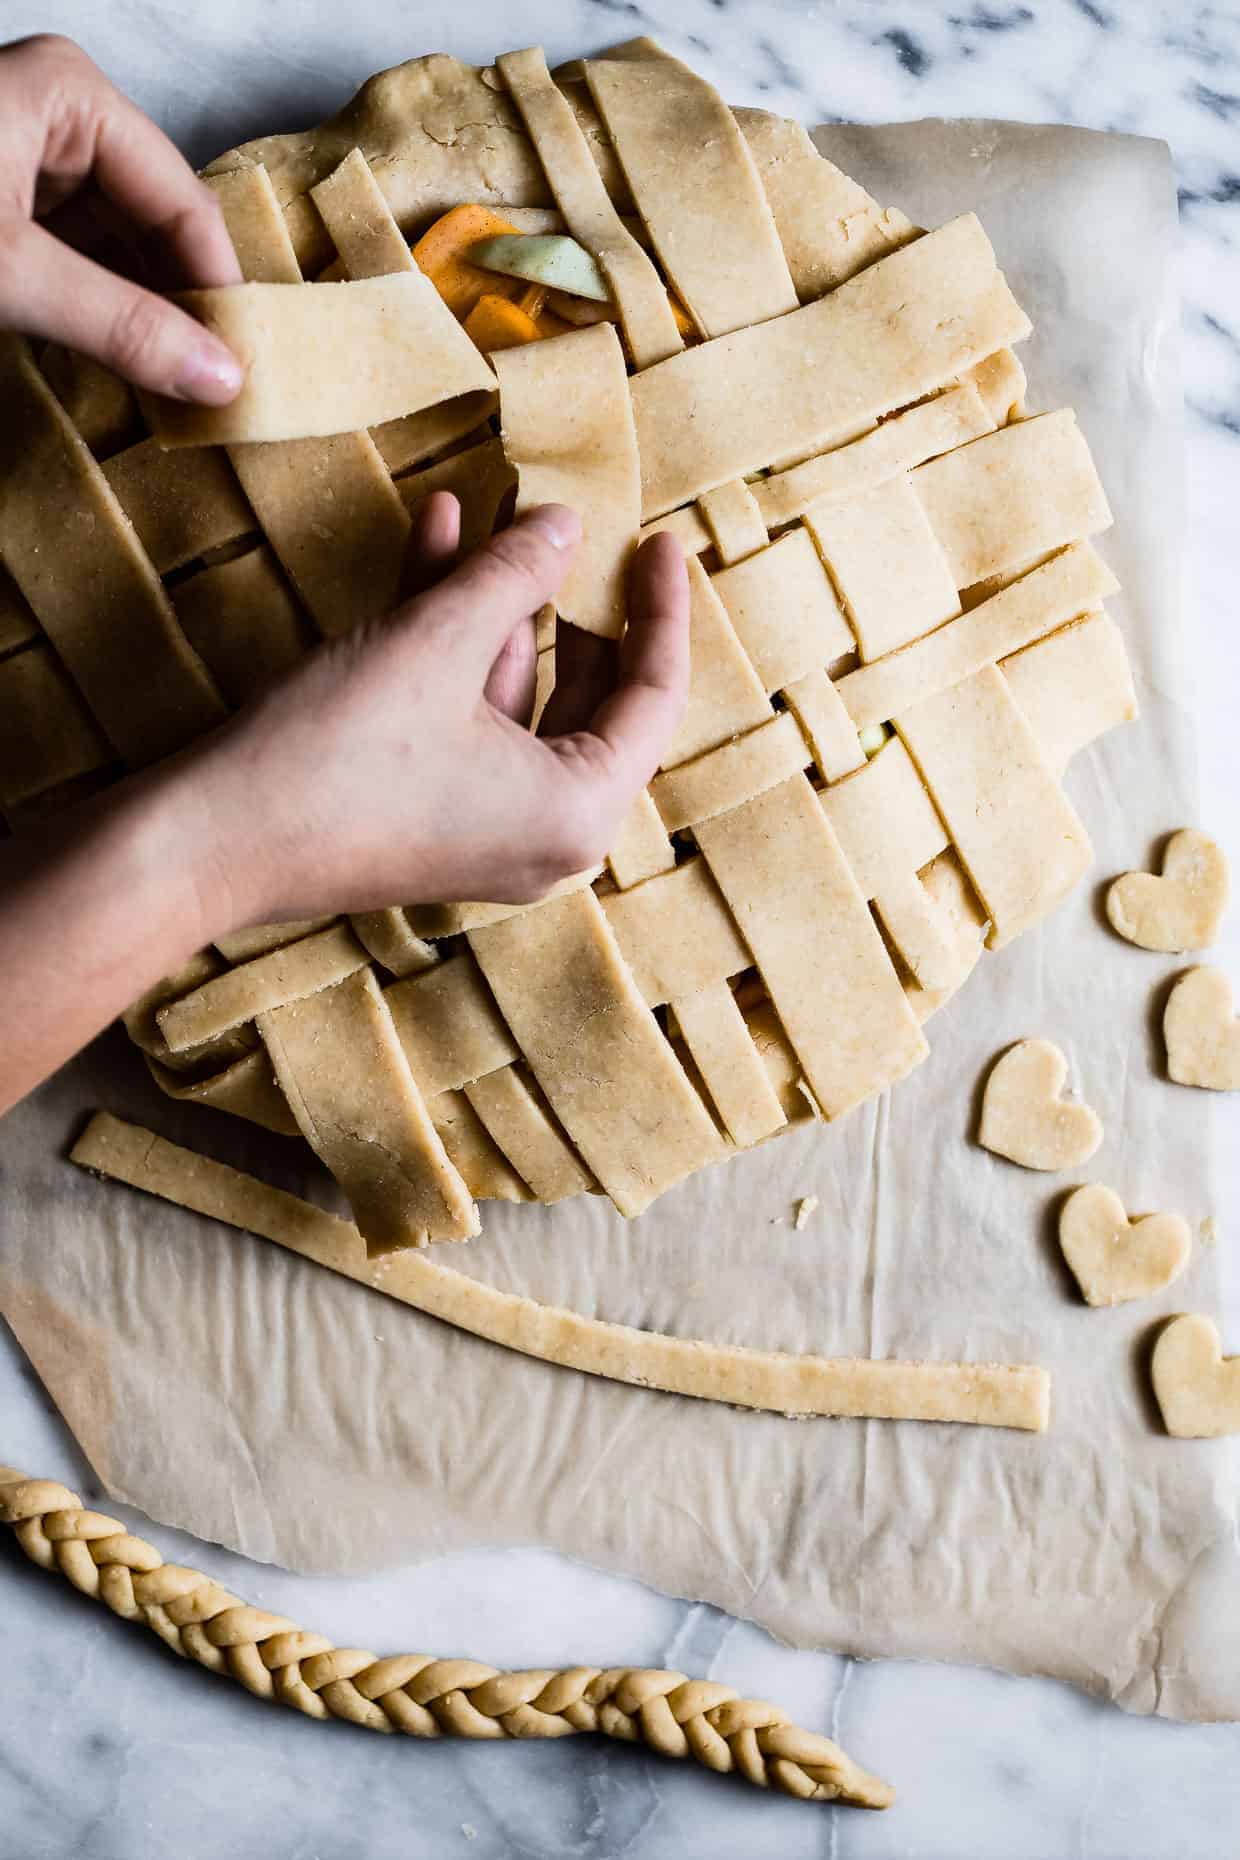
210	374
560	525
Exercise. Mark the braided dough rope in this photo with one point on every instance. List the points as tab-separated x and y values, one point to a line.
412	1692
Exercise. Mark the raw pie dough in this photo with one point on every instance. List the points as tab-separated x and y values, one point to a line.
1202	1032
1114	1258
1024	1116
996	1395
1198	1389
881	543
1182	908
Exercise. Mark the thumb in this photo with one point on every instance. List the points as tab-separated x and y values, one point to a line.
473	611
51	290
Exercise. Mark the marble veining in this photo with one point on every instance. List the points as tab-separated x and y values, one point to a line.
109	1748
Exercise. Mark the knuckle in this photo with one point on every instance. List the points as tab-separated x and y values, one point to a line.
51	50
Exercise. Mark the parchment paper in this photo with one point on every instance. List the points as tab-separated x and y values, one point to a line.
256	1400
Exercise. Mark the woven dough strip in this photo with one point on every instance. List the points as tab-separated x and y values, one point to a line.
414	1693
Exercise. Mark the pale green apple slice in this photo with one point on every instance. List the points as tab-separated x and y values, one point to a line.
550	259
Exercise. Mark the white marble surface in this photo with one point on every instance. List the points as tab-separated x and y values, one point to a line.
108	1747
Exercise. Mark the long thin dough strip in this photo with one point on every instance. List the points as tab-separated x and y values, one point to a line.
825	724
735	523
388	937
139	1018
245	1088
406	351
640	297
18	625
522	1129
907	440
435	920
676	933
596	1049
327	506
901	443
696	187
286	974
778	863
828	225
568	430
94	591
257	939
713	1028
49	736
1072	583
341	1067
1012	496
480	478
1021	842
181	504
726	694
1009	1395
473	1152
824	373
417	437
733	773
243	620
785	612
102	406
449	1026
1073	686
255	225
641	848
371	245
355	213
885	559
335	519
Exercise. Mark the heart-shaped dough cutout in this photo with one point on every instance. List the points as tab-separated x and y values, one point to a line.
1202	1032
1198	1389
1113	1258
1184	907
1025	1119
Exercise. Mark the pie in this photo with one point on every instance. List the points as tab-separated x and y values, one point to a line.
898	631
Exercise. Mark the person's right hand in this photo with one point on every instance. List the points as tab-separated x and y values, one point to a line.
69	139
394	765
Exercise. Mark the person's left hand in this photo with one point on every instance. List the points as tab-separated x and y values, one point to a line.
74	151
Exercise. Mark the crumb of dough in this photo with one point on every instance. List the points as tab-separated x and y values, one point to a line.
807	1205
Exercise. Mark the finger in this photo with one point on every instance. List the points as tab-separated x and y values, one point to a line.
635	723
434	539
512	680
141	171
473	611
49	290
92	129
585	671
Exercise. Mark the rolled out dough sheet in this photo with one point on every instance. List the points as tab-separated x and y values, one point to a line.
223	1385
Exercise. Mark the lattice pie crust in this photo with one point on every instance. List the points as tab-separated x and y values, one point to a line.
881	541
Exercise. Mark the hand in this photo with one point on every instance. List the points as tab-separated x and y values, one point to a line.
73	147
394	765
